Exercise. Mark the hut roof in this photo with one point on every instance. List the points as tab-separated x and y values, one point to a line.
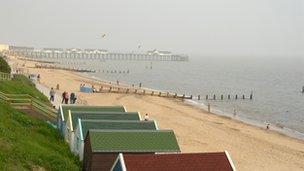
102	116
137	141
184	162
65	108
86	124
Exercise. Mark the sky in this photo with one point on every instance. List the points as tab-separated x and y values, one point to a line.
203	27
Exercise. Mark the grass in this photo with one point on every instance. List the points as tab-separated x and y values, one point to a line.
21	85
27	143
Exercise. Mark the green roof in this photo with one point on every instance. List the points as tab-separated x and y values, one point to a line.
104	116
133	141
116	125
66	108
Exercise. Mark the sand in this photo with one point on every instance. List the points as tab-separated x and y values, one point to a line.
251	147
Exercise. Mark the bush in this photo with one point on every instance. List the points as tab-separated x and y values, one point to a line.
4	67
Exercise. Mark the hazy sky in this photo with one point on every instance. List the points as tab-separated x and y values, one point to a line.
207	27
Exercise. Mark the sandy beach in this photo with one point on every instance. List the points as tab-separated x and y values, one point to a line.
251	147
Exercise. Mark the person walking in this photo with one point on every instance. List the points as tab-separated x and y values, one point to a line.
63	97
38	78
52	94
66	98
146	117
73	98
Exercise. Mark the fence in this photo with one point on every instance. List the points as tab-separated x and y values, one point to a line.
25	100
5	76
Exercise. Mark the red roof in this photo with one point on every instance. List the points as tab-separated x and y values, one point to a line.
182	162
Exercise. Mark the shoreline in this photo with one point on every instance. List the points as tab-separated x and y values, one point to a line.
216	111
251	147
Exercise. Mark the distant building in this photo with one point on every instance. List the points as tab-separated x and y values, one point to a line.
4	47
161	53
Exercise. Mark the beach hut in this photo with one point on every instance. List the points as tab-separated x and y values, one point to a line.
63	112
72	120
102	147
86	124
177	162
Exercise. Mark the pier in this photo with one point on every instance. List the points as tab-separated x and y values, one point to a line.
92	54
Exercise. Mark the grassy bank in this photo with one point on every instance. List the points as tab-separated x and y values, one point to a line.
27	143
21	85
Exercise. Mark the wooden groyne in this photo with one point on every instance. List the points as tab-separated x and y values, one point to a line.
36	60
143	91
63	68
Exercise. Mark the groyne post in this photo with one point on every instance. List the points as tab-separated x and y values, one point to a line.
236	96
243	96
206	97
175	95
184	96
159	94
222	97
214	97
199	97
152	93
228	96
110	89
127	91
208	107
250	96
135	91
144	92
167	94
191	96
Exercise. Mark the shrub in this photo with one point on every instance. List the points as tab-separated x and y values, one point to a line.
4	67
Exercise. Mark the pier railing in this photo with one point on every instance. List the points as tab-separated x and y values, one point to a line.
25	100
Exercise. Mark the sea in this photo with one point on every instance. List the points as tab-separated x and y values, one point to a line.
275	83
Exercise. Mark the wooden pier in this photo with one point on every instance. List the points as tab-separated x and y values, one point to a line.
94	55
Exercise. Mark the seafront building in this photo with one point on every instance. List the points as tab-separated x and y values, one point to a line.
100	54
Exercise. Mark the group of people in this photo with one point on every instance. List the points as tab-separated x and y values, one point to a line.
66	97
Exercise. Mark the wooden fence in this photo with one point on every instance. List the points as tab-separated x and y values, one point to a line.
5	76
25	100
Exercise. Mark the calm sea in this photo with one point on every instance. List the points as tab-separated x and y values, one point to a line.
276	84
